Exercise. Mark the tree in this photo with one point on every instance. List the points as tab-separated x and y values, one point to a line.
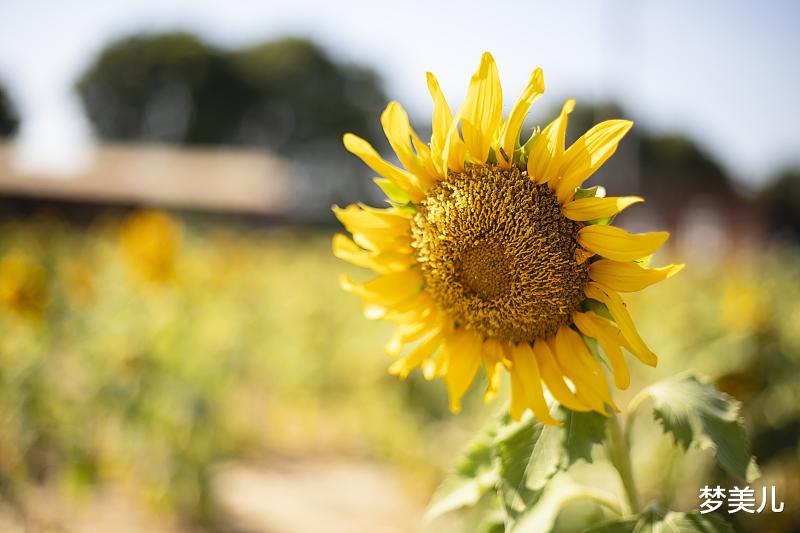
169	87
8	116
675	165
780	203
281	95
300	95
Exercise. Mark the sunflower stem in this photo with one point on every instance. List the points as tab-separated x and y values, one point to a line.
619	454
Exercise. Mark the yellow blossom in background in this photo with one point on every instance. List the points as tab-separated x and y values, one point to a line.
23	286
742	306
490	253
79	282
150	241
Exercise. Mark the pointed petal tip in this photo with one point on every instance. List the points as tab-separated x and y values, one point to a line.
675	269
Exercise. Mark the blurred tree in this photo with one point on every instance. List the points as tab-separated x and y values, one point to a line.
8	117
780	203
300	95
280	95
675	165
170	87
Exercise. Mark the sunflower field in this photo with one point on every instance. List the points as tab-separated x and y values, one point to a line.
143	350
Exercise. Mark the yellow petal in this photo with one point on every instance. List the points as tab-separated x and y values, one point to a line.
553	377
492	354
619	245
381	262
609	342
509	134
462	353
442	119
623	319
424	350
526	371
454	150
629	276
376	230
404	334
395	124
418	307
588	154
517	407
424	154
547	148
483	110
574	358
387	289
402	178
591	208
362	217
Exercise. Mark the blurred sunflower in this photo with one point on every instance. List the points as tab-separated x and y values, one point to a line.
491	254
23	286
150	240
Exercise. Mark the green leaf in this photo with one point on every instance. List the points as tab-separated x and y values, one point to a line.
476	472
514	446
657	520
514	460
495	461
560	491
559	447
694	411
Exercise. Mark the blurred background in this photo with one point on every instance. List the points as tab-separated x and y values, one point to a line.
176	354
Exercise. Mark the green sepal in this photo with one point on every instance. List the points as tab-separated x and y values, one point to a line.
525	150
598	191
392	191
600	308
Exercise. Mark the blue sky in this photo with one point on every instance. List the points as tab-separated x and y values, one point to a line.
723	72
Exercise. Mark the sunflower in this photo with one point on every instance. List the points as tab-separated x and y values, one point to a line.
491	254
150	241
23	286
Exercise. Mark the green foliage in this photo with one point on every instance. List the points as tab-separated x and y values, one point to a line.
515	460
514	446
658	520
476	472
694	411
543	515
173	87
559	447
9	122
523	464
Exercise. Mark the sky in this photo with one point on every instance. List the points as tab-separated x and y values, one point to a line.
721	72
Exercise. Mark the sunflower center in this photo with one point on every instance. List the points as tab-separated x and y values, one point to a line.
498	255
